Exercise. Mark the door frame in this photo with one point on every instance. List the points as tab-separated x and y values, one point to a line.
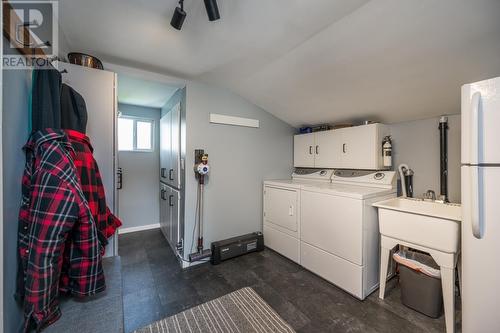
1	185
146	76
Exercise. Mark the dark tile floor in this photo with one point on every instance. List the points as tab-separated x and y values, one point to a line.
100	313
155	287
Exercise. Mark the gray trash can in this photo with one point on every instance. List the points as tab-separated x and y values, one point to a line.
420	281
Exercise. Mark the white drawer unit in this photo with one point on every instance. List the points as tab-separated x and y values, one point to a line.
358	147
334	269
337	236
281	242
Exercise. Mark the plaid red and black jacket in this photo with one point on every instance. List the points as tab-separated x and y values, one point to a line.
93	190
53	210
91	183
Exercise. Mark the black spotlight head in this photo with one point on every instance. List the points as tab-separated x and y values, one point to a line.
178	18
212	10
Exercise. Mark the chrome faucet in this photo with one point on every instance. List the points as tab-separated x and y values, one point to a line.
430	195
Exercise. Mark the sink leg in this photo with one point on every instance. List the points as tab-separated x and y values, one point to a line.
448	285
384	265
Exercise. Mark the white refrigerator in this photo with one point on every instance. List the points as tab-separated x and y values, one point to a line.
481	206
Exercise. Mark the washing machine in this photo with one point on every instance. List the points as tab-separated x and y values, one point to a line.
281	210
339	234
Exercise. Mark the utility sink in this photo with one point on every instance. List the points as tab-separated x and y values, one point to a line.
429	224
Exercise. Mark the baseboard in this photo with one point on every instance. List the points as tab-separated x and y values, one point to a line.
139	228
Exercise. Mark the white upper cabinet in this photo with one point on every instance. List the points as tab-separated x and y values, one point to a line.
328	149
303	150
358	147
362	146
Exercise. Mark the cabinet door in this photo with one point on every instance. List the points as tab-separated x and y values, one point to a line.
165	146
164	209
328	150
175	155
281	207
360	147
168	213
303	150
174	203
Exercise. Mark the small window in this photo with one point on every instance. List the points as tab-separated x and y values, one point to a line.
135	134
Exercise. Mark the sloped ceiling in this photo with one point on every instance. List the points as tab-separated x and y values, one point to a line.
305	61
140	92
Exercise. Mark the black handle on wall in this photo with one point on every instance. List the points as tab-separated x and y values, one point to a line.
170	202
170	172
120	179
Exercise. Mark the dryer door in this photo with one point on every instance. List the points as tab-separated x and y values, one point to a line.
280	207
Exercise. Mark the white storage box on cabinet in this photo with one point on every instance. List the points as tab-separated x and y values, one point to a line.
358	147
281	220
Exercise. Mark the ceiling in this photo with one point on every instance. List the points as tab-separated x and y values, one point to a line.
305	61
136	91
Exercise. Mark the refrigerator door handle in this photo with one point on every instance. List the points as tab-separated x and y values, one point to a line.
475	132
476	220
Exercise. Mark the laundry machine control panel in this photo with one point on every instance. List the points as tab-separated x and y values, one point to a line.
383	179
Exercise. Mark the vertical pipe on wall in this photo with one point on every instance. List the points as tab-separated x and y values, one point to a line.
1	184
443	149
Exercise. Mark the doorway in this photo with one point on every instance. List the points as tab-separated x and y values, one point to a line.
139	167
140	105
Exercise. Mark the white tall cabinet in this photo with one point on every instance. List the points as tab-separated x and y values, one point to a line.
98	88
171	177
357	147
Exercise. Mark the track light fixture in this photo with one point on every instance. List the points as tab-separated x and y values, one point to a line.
212	10
180	15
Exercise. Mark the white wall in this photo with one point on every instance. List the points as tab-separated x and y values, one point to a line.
416	143
240	159
139	202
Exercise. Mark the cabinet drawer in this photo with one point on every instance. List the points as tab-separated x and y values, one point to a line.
282	243
338	271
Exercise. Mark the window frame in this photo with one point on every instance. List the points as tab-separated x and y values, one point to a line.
135	120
